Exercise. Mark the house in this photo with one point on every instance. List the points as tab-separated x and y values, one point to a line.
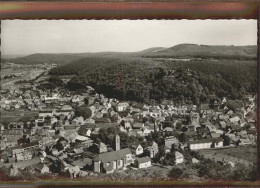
23	156
66	107
81	163
234	127
218	142
222	124
12	133
168	129
191	127
153	127
191	134
78	150
122	106
41	168
126	124
101	148
86	129
245	141
234	119
46	113
215	135
146	130
203	131
171	140
78	120
14	171
64	112
200	144
211	127
137	149
55	152
138	126
152	150
24	148
205	109
194	160
143	162
182	110
72	170
178	158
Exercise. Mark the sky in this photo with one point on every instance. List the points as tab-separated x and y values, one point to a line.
24	37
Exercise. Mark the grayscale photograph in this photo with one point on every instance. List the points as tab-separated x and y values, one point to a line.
128	100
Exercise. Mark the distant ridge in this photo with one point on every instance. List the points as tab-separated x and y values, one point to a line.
180	50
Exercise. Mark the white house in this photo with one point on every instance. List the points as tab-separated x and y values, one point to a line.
46	113
137	149
122	106
200	144
143	162
178	157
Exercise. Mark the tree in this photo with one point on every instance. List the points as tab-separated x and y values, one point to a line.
178	125
161	73
174	147
83	111
124	140
57	166
226	141
157	137
183	138
169	159
160	154
59	144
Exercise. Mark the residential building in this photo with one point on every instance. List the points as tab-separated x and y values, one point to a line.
143	162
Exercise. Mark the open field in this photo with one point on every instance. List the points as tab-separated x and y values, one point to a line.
242	154
25	74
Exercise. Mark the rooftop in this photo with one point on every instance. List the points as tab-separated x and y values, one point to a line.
112	156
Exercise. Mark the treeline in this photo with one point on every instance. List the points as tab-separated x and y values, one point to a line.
147	80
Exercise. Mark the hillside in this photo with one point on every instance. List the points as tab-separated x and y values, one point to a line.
152	50
206	51
49	58
181	50
153	79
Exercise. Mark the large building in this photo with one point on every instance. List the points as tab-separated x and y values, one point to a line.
110	161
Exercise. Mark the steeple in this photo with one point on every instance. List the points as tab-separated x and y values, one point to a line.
117	142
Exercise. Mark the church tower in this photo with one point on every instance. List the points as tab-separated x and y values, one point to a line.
117	144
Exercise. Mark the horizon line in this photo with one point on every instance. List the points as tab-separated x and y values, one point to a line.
121	51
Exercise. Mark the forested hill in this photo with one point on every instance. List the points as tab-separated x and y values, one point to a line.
148	79
206	51
180	51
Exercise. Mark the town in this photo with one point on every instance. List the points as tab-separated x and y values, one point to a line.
86	134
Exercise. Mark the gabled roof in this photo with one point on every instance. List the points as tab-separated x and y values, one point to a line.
112	156
215	135
125	104
178	155
143	160
201	141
